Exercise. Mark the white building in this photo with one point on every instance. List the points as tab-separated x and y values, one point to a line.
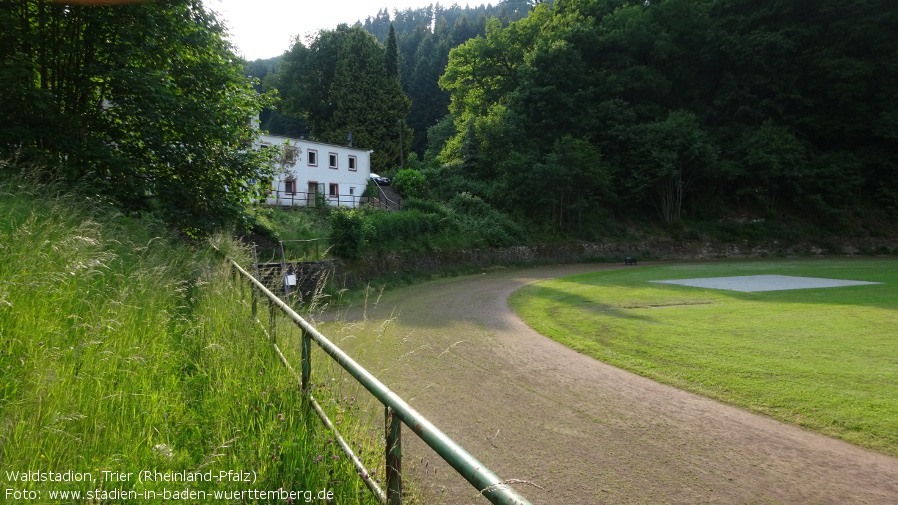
308	168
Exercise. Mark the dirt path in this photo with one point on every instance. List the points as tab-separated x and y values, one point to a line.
588	433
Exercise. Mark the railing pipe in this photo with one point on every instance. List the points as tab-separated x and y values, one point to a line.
306	246
463	462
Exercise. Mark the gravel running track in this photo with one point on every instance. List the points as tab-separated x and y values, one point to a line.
583	431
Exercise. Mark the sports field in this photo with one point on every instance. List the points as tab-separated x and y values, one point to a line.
822	358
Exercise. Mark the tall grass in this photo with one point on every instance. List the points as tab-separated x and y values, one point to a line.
122	350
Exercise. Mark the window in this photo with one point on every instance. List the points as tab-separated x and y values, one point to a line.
334	190
332	160
351	191
313	158
290	155
352	165
290	186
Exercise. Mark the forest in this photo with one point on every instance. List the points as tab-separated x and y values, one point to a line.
564	115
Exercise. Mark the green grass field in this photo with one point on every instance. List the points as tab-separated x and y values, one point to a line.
825	359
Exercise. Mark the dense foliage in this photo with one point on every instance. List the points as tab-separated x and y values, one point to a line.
346	85
425	36
679	108
464	222
144	103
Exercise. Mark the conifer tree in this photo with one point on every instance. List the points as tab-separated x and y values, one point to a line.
340	84
392	54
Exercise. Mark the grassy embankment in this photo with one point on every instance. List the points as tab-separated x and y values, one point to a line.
823	359
465	222
122	350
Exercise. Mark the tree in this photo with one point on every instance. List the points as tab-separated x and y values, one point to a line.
341	86
799	95
392	54
665	159
424	37
582	179
484	71
771	163
429	102
143	103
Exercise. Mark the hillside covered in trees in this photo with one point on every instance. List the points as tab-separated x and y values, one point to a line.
419	51
565	117
566	114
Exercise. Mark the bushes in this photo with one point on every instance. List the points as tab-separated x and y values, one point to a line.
483	223
410	183
354	231
348	230
425	206
407	225
467	221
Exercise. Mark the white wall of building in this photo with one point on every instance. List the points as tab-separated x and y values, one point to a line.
341	173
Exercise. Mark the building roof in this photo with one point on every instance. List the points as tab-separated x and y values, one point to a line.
307	141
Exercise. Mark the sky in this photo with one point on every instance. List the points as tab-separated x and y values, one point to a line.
265	28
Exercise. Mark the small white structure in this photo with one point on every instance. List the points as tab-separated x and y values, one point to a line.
755	283
308	169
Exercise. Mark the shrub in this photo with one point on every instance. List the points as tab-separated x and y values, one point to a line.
348	233
448	180
426	206
407	225
484	224
410	183
472	205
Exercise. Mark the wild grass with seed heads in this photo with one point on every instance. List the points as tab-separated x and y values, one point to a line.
124	350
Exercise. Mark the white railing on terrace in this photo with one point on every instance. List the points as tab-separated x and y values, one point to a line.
308	199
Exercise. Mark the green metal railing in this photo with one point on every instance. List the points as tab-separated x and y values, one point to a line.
304	250
396	412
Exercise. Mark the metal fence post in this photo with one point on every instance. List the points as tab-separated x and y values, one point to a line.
255	303
394	456
272	321
306	361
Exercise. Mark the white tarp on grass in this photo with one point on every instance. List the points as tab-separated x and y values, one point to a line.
751	283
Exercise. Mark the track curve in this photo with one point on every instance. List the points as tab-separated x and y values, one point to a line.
582	431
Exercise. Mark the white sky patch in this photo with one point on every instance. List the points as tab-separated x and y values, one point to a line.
752	283
266	28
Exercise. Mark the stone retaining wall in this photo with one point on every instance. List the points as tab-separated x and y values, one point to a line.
310	274
381	265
